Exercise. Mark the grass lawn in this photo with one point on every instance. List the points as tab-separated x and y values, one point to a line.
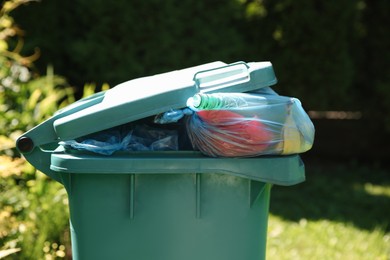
341	212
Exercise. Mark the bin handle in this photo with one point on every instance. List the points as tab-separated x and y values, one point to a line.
221	77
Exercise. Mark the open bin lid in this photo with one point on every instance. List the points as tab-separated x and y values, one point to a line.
147	96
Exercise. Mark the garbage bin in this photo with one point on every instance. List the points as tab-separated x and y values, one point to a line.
171	205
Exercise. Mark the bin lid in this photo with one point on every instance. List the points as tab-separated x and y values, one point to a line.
147	96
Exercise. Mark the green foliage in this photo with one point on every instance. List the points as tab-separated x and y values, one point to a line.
122	40
373	59
18	81
33	209
34	212
331	56
309	44
44	94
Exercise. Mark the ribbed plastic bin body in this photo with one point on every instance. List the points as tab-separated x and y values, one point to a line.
167	217
174	205
177	205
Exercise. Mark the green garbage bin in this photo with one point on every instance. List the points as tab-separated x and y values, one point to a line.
167	205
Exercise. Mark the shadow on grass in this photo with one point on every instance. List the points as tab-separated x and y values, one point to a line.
348	193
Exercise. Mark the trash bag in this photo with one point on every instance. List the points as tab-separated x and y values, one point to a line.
126	138
243	125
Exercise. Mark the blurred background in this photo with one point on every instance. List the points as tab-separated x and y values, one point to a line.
333	56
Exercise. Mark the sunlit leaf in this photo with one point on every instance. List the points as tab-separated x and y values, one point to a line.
7	252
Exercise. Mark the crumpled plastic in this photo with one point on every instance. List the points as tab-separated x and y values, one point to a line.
247	125
172	116
137	138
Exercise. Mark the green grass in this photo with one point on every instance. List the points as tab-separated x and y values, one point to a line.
341	212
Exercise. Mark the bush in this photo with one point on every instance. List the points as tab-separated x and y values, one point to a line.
33	209
115	42
331	56
373	61
309	44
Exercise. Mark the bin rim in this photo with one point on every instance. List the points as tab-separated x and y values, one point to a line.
279	170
